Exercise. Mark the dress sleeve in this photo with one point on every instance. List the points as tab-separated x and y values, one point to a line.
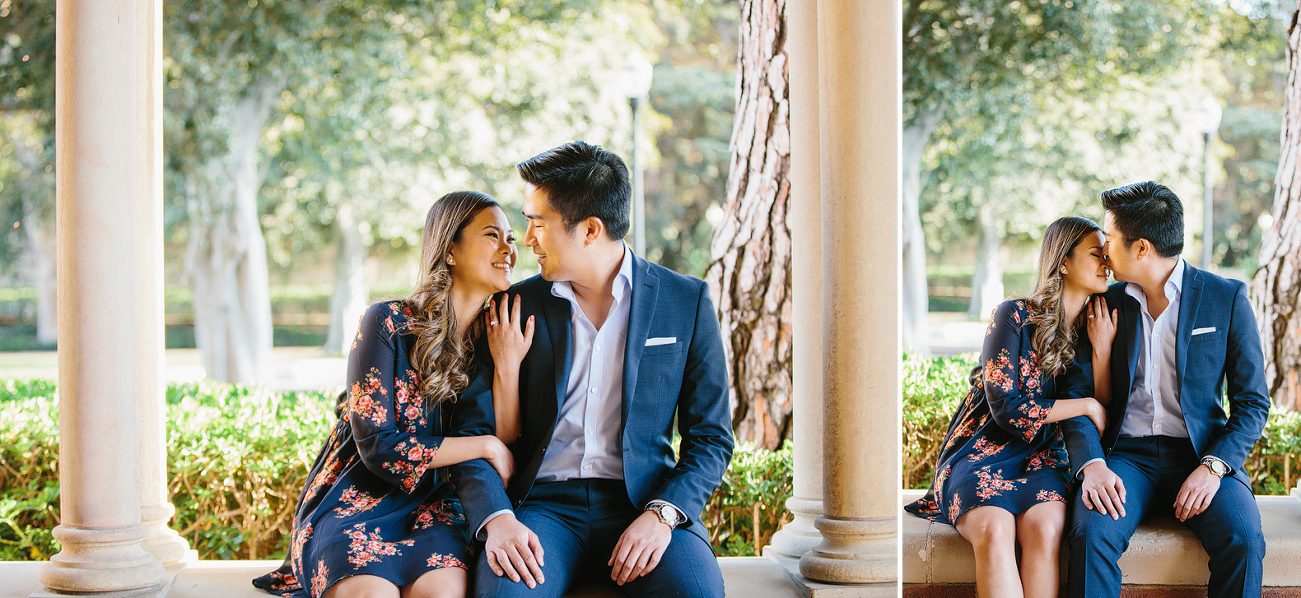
375	390
1011	376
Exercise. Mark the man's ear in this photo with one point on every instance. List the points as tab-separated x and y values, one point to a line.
1144	249
593	228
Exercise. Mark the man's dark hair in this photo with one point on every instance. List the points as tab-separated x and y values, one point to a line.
1148	210
582	181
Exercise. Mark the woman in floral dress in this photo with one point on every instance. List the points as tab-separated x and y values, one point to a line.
1002	476
378	516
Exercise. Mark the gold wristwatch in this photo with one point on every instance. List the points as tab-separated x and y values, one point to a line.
667	514
1217	466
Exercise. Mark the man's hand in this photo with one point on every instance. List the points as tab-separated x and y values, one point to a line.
513	550
1197	492
1102	490
639	548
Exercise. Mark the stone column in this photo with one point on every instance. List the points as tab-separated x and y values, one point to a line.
859	108
102	153
156	508
800	536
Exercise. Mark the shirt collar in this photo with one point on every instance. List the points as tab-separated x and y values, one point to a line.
1174	287
622	281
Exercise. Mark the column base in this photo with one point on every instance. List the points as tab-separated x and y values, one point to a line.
854	551
163	542
102	560
799	536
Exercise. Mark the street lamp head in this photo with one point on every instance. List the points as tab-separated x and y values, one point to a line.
635	76
1208	116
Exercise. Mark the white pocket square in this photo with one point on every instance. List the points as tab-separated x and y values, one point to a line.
661	340
1197	331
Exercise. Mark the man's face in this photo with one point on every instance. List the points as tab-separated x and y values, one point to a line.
1119	254
558	250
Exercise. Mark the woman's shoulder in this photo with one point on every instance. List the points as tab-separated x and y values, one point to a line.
1015	311
393	316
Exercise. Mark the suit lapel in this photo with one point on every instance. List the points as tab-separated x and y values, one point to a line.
558	312
640	313
1133	326
1189	300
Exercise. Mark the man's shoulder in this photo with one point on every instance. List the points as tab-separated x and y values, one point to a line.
674	281
531	286
1216	283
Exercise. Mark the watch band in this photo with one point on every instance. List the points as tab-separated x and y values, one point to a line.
667	514
1217	466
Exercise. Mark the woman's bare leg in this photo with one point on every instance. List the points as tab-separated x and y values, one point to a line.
450	582
362	586
992	533
1039	532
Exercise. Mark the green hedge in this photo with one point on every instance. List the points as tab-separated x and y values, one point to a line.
933	387
239	457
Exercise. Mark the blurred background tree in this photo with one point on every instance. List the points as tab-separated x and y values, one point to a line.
305	141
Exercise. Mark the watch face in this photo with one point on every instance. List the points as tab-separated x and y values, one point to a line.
668	514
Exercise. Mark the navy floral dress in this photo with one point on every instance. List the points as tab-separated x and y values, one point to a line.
998	450
372	505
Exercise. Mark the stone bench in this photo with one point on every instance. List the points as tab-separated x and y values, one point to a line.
745	577
1163	553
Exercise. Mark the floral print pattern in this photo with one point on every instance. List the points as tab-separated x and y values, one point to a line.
320	581
443	561
441	512
983	449
355	501
385	439
991	483
1049	495
368	548
999	450
361	399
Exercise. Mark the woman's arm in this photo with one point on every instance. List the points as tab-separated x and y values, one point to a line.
505	402
508	344
1065	409
1102	333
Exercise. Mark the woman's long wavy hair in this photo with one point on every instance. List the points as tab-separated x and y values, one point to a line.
441	356
1054	339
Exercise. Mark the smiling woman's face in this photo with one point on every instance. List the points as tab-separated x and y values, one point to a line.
1086	268
483	255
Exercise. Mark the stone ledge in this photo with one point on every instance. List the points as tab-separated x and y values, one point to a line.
745	577
1163	553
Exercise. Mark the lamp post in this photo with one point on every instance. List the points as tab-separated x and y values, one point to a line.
636	81
1208	120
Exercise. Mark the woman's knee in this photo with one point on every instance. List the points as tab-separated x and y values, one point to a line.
1042	531
988	526
362	586
450	582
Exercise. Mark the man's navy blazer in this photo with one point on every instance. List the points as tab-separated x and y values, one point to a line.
686	378
1225	353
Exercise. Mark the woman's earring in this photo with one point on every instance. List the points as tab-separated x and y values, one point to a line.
450	261
1062	270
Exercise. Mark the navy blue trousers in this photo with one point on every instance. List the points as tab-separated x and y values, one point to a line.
579	522
1153	470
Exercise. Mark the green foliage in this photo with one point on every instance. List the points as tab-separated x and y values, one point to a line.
238	459
933	387
750	505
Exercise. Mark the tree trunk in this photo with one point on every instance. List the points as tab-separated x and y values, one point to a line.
226	254
43	255
38	226
916	136
351	292
750	270
1276	285
987	283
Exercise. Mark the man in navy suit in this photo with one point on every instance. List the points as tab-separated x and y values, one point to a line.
621	347
1182	335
